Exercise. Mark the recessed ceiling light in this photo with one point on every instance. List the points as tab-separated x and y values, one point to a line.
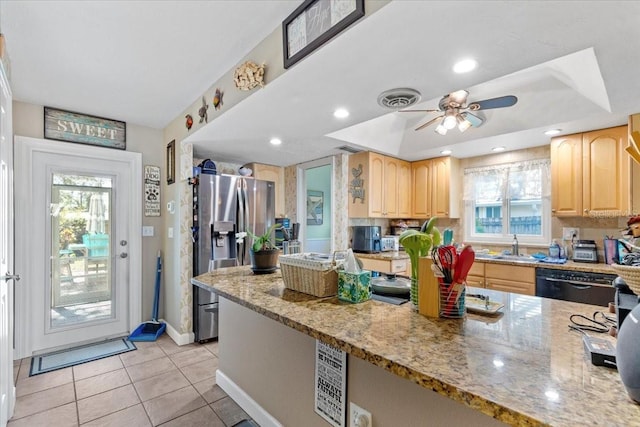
553	132
497	149
340	113
465	66
445	152
275	141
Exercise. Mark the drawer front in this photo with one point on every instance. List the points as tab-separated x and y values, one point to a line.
511	286
397	266
509	272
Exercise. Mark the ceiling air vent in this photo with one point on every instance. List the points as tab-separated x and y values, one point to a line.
348	149
396	99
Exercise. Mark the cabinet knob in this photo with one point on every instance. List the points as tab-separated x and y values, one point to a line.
553	210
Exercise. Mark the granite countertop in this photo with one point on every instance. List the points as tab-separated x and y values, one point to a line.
523	367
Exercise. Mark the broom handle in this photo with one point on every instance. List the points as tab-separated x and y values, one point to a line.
156	297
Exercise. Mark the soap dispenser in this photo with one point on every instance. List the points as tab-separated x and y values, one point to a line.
514	246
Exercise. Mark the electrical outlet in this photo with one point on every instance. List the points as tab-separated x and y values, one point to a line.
359	417
147	231
170	232
570	233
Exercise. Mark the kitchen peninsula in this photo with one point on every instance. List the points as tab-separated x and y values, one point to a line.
523	367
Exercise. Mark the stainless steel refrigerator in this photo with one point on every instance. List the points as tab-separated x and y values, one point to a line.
224	205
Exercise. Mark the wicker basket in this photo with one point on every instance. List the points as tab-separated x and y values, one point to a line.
310	273
630	274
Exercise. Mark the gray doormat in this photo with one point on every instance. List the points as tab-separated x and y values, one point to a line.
77	355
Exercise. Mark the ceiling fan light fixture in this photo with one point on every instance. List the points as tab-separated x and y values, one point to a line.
449	121
441	129
463	123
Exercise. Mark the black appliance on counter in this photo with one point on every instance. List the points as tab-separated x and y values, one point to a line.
577	286
224	205
366	238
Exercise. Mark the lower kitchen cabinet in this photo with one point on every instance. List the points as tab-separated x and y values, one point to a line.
500	277
475	277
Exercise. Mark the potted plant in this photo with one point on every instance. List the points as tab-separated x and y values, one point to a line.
263	252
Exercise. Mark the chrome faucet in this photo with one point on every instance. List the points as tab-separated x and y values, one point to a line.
514	246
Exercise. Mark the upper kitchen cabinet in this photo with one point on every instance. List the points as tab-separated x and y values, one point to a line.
436	188
275	174
380	186
590	173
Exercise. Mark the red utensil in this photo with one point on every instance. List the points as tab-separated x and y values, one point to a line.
465	261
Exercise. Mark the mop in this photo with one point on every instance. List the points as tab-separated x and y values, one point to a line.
150	331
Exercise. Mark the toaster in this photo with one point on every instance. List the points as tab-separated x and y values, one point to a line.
585	251
389	243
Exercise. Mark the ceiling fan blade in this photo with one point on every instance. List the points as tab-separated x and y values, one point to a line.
487	104
424	125
419	111
472	118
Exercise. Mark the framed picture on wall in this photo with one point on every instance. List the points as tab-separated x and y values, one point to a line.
315	206
171	162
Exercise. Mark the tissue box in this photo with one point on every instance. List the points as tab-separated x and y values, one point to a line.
354	287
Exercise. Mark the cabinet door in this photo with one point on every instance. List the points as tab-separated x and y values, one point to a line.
390	194
606	186
404	189
566	175
421	177
440	187
376	185
275	174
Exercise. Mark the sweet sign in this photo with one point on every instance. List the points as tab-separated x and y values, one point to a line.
84	129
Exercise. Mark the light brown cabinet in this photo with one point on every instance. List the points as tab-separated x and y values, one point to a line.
275	174
436	188
590	173
380	186
500	277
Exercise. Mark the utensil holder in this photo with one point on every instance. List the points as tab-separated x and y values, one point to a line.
452	300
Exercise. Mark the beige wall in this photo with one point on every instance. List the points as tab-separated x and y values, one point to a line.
28	120
275	365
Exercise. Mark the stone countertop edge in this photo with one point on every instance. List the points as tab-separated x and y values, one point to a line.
399	340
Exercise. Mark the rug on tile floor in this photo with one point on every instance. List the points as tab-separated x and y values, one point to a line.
77	355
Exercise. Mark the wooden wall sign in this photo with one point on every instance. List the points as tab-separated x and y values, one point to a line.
151	190
68	126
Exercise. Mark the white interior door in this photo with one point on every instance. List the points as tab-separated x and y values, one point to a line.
7	388
82	248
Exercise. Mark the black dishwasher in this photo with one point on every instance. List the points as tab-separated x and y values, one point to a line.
577	286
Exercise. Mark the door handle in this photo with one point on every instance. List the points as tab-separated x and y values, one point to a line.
9	276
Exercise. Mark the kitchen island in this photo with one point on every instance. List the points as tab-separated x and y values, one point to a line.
523	367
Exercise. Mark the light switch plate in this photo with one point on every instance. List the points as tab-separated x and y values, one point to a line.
147	231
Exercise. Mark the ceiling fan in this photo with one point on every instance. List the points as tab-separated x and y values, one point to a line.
456	111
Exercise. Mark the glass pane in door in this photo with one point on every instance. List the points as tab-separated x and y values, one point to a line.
81	273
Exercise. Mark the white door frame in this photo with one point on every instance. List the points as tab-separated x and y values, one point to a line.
7	386
301	209
25	148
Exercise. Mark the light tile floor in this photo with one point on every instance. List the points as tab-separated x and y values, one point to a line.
160	383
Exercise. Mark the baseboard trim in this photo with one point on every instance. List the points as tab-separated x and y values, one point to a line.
250	406
177	337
